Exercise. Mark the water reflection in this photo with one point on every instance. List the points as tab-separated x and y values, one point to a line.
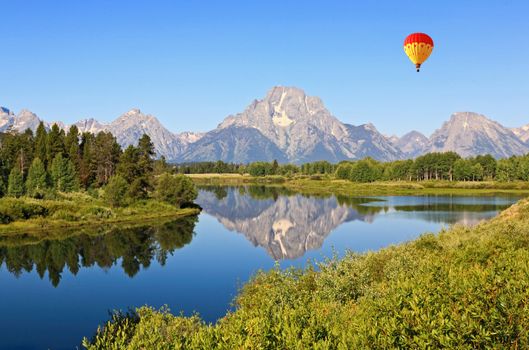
288	224
134	247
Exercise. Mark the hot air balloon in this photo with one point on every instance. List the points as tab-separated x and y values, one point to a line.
418	47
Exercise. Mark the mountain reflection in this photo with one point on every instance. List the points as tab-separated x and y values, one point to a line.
101	246
288	224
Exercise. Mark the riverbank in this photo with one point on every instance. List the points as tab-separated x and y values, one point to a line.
463	288
73	210
327	185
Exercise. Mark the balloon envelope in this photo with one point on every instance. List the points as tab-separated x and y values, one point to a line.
418	47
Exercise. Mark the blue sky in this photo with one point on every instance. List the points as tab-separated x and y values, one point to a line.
192	63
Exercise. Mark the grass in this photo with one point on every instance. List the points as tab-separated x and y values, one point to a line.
327	185
464	288
30	215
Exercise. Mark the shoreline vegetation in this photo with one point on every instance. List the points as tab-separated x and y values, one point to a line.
329	185
464	288
55	179
76	210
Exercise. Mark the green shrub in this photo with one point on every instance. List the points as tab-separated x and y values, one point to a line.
175	189
99	212
116	191
465	288
5	218
17	209
65	215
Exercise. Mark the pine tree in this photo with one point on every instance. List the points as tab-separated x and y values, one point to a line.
275	167
71	145
87	166
36	183
25	150
15	187
63	174
106	153
3	188
129	164
54	143
146	149
40	143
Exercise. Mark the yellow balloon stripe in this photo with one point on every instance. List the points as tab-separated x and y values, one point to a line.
418	52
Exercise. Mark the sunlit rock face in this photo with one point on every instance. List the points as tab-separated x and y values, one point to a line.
304	130
522	133
412	144
470	134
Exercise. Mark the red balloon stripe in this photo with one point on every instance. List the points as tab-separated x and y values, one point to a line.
418	38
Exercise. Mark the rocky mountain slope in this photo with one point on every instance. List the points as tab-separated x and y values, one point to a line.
412	144
300	127
470	134
127	128
522	133
290	126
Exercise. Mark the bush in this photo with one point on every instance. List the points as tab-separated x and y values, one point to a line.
116	191
65	215
17	209
343	171
99	212
175	189
5	218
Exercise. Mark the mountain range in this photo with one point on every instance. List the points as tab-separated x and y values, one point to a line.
290	126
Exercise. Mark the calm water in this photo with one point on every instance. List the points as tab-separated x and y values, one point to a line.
53	292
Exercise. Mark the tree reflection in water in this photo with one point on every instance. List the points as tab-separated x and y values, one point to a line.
102	246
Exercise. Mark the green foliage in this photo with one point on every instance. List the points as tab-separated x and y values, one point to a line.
365	170
63	174
319	167
343	171
218	167
506	170
14	209
138	189
40	143
116	191
260	169
3	187
129	167
175	189
71	145
466	288
54	143
463	170
146	154
15	186
37	180
137	168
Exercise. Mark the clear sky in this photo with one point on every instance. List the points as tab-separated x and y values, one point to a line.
192	63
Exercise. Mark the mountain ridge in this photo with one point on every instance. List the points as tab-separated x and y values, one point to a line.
290	126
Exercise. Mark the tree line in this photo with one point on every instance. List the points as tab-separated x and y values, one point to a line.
432	166
43	163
